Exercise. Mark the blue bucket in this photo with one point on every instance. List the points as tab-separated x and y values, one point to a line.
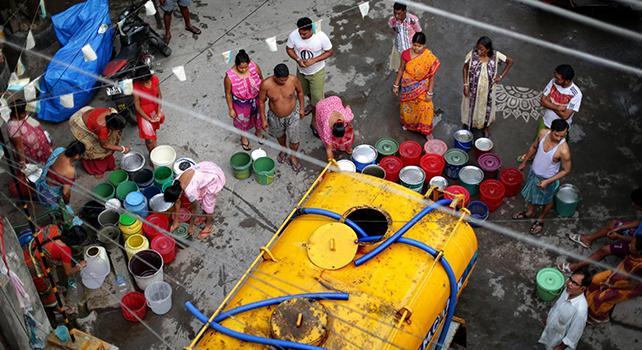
24	237
136	202
364	155
455	160
478	210
463	139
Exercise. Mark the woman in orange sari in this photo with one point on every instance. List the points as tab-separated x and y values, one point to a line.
609	288
415	80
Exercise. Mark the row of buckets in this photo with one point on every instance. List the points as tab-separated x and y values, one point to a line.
434	164
244	164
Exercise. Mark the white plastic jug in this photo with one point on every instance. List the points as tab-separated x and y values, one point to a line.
159	297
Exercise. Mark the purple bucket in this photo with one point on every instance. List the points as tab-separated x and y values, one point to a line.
490	164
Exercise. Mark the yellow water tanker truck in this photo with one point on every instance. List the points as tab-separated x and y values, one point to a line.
359	263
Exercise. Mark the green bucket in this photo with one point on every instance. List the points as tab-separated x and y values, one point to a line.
264	170
386	147
241	163
181	231
550	283
117	177
163	175
104	190
125	188
566	200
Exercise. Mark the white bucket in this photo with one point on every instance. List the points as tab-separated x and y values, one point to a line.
258	153
163	155
159	297
94	274
347	165
147	267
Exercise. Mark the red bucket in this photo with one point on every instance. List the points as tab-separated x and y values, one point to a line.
432	164
492	193
160	224
451	191
392	165
410	152
165	246
512	180
133	305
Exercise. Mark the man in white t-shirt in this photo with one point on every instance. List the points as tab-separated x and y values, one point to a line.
310	50
561	97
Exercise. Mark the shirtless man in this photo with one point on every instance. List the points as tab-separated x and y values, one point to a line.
282	119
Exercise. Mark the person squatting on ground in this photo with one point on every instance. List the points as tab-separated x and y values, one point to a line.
100	130
621	233
242	84
567	318
200	184
405	25
334	124
415	83
310	50
481	77
282	118
149	114
170	5
58	175
552	162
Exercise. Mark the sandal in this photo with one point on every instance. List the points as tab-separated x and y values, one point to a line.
193	30
205	232
537	227
520	215
296	166
314	131
521	158
565	268
594	321
578	239
246	146
282	157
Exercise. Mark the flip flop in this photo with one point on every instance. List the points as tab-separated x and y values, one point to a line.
193	30
282	157
296	166
314	131
537	227
565	268
520	215
246	146
204	233
578	239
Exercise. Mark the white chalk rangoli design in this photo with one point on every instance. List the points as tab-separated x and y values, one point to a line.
518	102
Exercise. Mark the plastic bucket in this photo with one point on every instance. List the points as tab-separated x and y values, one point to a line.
104	191
435	146
147	267
163	175
155	224
143	178
491	192
412	177
392	165
93	278
483	145
264	170
158	204
490	164
113	204
347	165
463	139
386	147
258	153
478	210
109	236
550	283
363	155
166	246
125	188
512	180
116	177
163	155
132	162
150	192
455	160
438	181
410	152
135	243
133	306
453	191
129	225
136	203
566	200
181	232
182	164
374	170
432	164
470	177
159	297
241	163
108	217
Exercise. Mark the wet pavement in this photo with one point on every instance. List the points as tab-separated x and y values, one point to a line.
499	304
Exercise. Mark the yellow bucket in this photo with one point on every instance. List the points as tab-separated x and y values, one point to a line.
133	229
134	244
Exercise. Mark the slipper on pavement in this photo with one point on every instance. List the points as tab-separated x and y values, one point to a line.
578	239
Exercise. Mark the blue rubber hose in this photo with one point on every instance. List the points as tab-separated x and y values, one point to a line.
454	287
256	339
385	244
318	211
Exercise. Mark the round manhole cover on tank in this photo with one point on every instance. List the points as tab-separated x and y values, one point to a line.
300	320
332	246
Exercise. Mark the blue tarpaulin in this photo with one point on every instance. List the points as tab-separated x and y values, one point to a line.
81	24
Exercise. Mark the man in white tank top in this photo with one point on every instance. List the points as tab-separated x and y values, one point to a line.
552	162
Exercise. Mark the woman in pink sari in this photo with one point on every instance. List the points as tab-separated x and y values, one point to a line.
334	124
27	136
242	83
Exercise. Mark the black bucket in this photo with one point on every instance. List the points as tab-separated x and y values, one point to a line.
143	178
